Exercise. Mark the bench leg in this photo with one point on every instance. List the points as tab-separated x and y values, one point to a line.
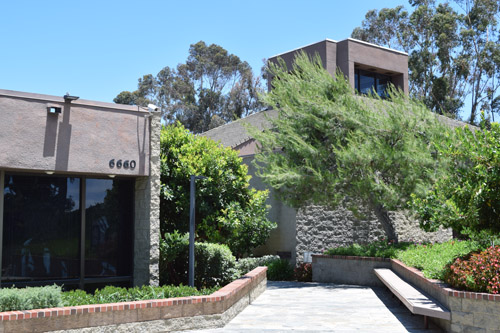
426	322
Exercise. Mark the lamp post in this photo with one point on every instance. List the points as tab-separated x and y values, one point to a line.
191	227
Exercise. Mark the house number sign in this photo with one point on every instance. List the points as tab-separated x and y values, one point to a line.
122	164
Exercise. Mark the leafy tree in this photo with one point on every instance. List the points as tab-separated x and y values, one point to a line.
227	210
468	198
211	88
453	50
336	147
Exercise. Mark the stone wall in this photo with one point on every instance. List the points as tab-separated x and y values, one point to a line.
319	229
147	215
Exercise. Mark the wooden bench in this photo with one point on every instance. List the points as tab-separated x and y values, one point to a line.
413	299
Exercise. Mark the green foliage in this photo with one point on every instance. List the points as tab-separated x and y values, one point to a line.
432	259
468	198
476	272
303	272
210	89
227	210
12	299
279	270
245	265
110	294
453	51
336	145
381	249
214	263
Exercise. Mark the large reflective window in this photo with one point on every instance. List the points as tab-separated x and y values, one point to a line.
367	82
41	235
108	222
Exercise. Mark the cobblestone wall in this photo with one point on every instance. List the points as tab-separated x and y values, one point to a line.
319	229
147	216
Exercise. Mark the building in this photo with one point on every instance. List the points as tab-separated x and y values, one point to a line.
367	66
80	183
312	229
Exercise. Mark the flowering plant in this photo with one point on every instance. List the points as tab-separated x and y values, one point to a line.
477	272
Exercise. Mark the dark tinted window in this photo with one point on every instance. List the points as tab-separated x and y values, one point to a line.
41	236
367	82
109	221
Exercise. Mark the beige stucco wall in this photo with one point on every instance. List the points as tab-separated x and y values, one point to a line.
282	239
82	139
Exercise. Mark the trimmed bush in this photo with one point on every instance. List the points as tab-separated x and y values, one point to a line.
112	294
279	270
12	299
476	272
303	272
214	263
245	265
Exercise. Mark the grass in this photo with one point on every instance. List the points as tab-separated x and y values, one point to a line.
431	259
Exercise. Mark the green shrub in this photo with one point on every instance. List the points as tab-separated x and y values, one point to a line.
214	263
228	211
381	248
432	259
245	265
303	272
476	272
112	294
29	298
468	198
279	270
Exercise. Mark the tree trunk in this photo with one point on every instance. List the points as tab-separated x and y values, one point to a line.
387	223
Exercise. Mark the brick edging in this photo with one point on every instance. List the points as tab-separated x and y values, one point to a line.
228	292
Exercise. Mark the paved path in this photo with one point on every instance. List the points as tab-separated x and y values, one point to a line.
319	307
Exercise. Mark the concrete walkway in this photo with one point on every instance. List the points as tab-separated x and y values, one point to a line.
319	307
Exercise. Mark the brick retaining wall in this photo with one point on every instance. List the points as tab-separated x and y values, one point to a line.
163	315
470	311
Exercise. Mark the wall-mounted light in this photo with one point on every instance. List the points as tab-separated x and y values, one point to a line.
54	110
69	98
111	176
49	172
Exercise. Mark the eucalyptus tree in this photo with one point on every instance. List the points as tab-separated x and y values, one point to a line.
453	51
211	88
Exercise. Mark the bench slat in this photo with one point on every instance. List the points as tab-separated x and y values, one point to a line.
413	299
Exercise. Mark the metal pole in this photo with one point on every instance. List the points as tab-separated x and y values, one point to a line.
191	231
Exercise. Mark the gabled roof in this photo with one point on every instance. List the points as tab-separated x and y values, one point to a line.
235	133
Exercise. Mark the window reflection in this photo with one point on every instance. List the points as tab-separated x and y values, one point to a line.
367	82
41	228
109	219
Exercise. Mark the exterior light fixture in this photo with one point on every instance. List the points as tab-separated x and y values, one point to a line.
69	98
49	172
111	176
54	110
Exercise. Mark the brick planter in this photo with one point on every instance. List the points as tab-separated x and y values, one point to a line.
470	311
161	315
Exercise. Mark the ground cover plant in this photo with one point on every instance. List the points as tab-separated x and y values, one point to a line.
431	259
110	294
16	299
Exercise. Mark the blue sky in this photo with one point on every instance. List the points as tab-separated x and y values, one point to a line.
95	49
